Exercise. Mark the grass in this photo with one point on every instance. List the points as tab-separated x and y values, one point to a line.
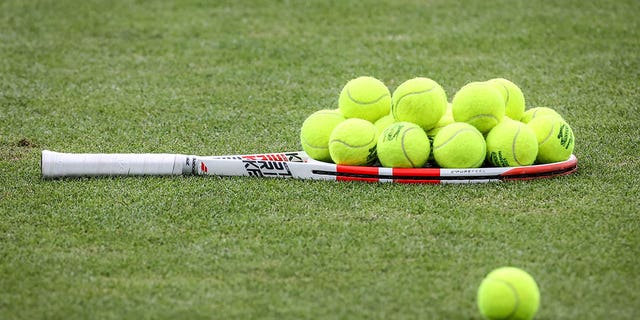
226	77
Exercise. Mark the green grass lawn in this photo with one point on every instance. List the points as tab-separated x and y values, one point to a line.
231	77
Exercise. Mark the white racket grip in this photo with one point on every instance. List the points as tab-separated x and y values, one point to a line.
57	165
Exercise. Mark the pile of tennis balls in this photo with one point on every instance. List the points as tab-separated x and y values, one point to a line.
485	124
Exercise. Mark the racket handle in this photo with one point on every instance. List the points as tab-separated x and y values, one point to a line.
56	165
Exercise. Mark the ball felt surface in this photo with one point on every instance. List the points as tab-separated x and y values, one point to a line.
419	100
365	98
459	145
479	104
444	121
508	293
514	103
315	132
403	145
538	112
511	144
555	138
353	142
384	122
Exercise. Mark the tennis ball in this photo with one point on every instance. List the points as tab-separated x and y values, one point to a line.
446	119
510	144
353	142
365	98
513	98
315	132
403	145
508	293
479	104
555	138
459	145
538	112
419	100
384	122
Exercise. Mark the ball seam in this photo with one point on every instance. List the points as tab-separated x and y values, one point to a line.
404	151
487	115
549	134
451	137
513	146
304	141
354	146
413	93
365	102
506	100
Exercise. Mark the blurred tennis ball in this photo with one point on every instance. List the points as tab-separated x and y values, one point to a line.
365	98
479	104
353	142
403	145
419	100
510	144
508	293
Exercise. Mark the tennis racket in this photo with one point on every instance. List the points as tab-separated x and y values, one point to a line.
279	165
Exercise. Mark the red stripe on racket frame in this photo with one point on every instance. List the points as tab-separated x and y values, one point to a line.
355	173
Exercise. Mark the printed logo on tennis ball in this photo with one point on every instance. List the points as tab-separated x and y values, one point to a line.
373	156
555	138
403	145
392	134
498	159
565	135
512	143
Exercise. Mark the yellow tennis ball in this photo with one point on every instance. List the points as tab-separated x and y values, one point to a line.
384	122
315	132
505	118
511	144
444	121
508	293
514	103
538	112
353	142
365	98
459	145
403	145
419	100
479	104
555	138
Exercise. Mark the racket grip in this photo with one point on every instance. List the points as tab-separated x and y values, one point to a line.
57	165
